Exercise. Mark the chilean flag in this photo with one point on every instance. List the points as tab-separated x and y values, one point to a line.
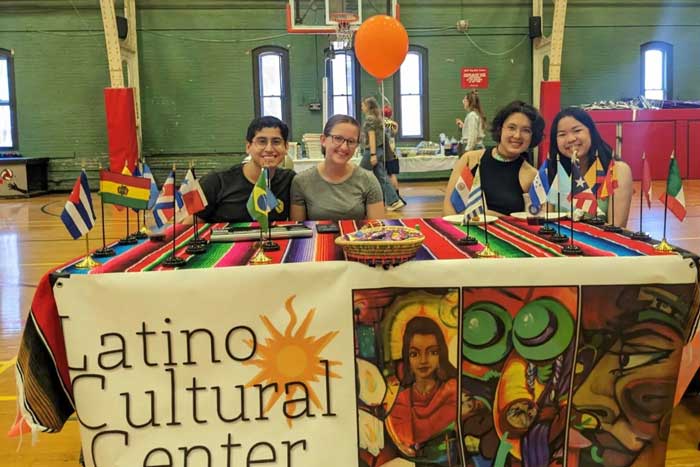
78	215
192	194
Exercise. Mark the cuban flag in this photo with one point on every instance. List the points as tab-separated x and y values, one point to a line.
78	215
562	186
584	198
460	194
163	210
192	194
539	189
475	205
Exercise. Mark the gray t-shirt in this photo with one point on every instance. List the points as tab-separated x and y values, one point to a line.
334	201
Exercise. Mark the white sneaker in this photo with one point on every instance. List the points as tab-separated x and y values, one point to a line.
398	204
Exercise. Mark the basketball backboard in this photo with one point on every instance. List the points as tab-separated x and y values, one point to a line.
321	16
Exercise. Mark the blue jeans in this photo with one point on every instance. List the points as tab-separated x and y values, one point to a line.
379	170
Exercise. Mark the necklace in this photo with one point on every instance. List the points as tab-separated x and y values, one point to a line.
497	155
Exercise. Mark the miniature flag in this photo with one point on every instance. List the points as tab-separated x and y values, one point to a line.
153	197
584	198
595	175
674	191
163	210
259	201
124	190
78	215
192	194
562	186
474	205
610	184
539	189
460	193
646	180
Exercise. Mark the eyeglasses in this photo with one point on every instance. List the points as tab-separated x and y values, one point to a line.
262	142
339	140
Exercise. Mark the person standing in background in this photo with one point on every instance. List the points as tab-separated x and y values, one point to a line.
474	123
373	155
391	129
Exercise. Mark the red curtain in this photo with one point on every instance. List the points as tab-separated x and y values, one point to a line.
121	128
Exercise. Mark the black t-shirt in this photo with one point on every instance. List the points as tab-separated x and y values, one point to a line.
501	183
228	191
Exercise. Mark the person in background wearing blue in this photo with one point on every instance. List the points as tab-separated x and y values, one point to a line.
373	155
505	174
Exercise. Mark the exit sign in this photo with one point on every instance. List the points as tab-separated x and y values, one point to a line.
475	78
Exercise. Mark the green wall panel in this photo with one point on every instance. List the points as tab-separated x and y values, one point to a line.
196	67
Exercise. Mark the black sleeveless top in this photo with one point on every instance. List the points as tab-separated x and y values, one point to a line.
500	182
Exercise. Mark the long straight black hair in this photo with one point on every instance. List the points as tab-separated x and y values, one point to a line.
598	145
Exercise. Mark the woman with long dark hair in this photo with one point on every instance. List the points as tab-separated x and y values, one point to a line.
573	131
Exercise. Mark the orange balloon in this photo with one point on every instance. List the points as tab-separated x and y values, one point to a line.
381	45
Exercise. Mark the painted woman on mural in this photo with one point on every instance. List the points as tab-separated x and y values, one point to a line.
422	419
624	400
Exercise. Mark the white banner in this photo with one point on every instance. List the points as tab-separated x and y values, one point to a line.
259	365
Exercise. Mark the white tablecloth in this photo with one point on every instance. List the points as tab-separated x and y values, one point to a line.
413	164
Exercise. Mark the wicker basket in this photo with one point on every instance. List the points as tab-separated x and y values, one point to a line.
381	252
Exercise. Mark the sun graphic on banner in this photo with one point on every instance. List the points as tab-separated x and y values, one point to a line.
292	357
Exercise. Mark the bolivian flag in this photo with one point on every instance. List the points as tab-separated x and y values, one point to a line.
124	190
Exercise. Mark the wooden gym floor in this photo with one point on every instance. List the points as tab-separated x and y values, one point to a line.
33	239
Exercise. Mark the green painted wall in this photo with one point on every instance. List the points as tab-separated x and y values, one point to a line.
196	67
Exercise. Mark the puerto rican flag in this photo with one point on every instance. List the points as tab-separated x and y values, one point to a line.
192	194
163	210
78	215
584	198
460	194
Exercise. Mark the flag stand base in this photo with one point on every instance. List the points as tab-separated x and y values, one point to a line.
642	236
197	248
260	258
140	235
487	252
559	238
128	240
595	220
104	252
467	240
612	228
269	245
546	230
572	250
199	241
87	263
174	261
664	247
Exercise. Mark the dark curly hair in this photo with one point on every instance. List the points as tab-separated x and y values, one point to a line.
519	107
266	121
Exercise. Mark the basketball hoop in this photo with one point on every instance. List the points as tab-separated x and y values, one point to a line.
343	27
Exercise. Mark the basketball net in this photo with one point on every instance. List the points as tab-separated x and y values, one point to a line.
343	27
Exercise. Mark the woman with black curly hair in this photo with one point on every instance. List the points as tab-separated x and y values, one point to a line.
505	174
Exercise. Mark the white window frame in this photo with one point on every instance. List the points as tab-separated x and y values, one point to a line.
666	51
424	132
283	94
352	91
9	102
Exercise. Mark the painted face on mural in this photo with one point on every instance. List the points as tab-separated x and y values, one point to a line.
424	355
628	396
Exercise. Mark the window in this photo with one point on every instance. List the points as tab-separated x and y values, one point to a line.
271	80
411	95
657	70
341	70
8	114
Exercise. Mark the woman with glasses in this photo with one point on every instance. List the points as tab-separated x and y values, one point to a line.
373	153
227	191
505	174
336	188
